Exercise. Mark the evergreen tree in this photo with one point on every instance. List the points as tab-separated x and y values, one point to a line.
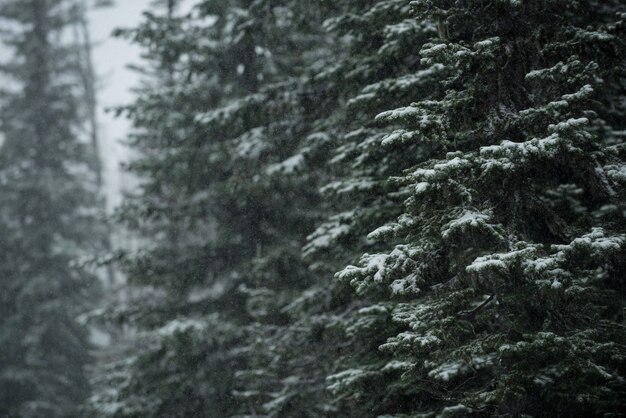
379	67
511	241
216	127
500	190
48	214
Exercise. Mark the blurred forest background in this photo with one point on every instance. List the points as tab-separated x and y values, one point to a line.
296	208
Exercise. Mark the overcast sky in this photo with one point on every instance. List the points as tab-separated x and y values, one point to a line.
111	57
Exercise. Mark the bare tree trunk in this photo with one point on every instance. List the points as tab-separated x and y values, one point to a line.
89	81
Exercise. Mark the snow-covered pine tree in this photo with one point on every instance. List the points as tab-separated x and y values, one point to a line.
224	205
281	379
512	237
175	367
284	379
377	68
373	56
48	213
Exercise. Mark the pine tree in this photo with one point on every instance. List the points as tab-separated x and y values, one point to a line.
216	128
511	239
48	214
379	67
286	299
155	377
499	190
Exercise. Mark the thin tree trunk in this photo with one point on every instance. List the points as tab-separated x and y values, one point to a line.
89	80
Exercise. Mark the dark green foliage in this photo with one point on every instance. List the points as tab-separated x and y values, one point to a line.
484	212
505	238
223	129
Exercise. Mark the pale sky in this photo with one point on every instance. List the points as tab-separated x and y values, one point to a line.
111	56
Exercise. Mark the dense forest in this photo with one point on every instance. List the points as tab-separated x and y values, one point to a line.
347	208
